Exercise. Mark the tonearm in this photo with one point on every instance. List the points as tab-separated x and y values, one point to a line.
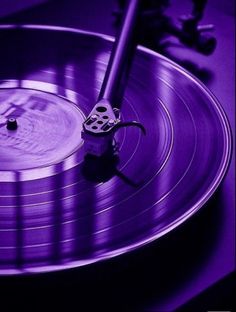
141	19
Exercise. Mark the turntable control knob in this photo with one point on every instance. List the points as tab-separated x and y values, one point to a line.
11	124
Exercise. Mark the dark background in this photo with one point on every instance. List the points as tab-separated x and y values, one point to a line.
189	269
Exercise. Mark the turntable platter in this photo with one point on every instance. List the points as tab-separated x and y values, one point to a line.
51	216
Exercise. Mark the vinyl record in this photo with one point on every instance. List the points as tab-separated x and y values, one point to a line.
60	209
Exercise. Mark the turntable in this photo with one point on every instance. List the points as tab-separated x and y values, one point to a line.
104	146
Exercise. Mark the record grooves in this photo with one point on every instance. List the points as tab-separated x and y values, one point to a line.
52	216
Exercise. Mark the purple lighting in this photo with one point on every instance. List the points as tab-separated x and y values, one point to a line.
150	225
51	217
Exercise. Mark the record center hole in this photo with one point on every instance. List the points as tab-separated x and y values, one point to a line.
101	109
94	127
105	117
100	122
